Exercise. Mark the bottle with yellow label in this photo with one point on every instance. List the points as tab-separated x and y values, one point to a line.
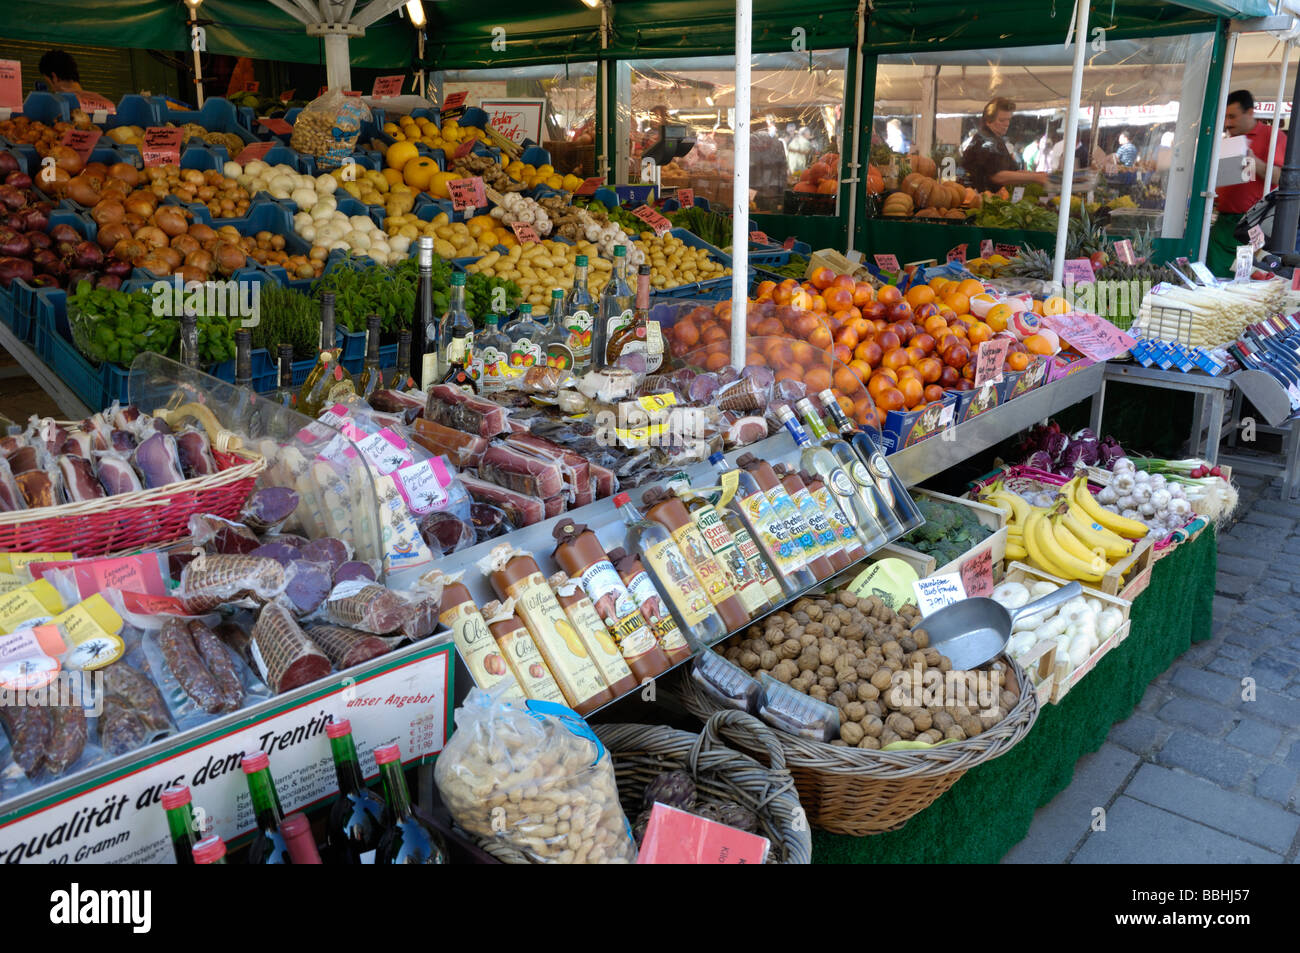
591	629
520	652
744	579
473	639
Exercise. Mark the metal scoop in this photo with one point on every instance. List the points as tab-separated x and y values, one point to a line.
975	631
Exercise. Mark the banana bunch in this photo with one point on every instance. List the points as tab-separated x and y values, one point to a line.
1076	538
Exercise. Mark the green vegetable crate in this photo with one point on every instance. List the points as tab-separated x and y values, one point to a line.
989	517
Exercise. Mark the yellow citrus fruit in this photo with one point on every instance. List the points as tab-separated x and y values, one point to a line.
391	128
554	181
546	169
1056	305
419	171
438	184
998	316
400	153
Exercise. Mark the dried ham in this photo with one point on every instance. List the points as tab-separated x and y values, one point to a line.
521	472
452	407
79	480
574	467
522	509
462	449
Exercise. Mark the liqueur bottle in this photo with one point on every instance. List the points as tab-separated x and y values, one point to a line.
409	839
285	395
358	818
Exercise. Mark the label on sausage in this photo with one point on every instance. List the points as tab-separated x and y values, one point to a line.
34	603
786	552
617	609
757	564
604	651
843	531
556	639
816	519
661	621
683	588
529	668
796	525
476	646
707	570
729	557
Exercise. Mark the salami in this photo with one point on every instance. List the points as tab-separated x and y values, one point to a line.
347	647
267	509
515	470
121	729
209	582
452	407
285	657
369	607
138	692
186	664
67	736
29	729
462	449
218	662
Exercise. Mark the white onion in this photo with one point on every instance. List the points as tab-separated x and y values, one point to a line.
256	167
326	184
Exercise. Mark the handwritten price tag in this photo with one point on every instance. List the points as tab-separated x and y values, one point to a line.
887	263
788	244
934	593
977	574
254	151
958	253
1006	251
658	224
93	102
589	186
464	149
288	94
986	247
467	193
1090	335
387	86
162	145
686	198
1079	271
454	101
1256	237
82	141
988	360
11	84
759	238
277	126
525	233
1124	252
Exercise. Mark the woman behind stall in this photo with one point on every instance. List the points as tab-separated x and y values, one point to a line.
989	158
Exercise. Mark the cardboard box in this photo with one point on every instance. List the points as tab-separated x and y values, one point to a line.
1065	364
1231	168
903	428
988	516
1022	382
980	400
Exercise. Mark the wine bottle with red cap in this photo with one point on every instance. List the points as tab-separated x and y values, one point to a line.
181	826
358	818
298	838
409	839
210	850
268	846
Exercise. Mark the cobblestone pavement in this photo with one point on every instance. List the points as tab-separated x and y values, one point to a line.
1197	774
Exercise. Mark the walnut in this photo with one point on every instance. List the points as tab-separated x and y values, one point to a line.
867	692
802	618
814	612
869	742
909	644
847	598
872	725
825	671
815	628
807	640
774	636
768	660
837	698
785	671
808	661
955	733
971	725
819	693
828	653
942	720
748	661
921	638
789	649
829	684
922	719
851	732
855	711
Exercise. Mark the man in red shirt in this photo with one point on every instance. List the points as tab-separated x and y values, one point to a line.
1233	201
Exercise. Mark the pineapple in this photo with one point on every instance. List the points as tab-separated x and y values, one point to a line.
1031	263
1084	237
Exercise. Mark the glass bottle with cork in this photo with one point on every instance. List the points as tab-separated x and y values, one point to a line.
327	381
559	353
426	348
189	342
244	358
635	336
285	394
358	818
268	845
616	302
409	838
864	486
371	378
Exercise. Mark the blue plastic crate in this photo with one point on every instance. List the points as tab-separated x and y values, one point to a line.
634	194
21	317
51	312
85	380
26	156
135	110
49	108
8	301
535	156
217	115
672	205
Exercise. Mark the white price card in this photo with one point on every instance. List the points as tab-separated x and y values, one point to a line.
935	592
1204	275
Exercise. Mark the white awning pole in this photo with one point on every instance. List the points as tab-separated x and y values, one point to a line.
854	165
740	188
1277	117
603	81
1229	54
1071	139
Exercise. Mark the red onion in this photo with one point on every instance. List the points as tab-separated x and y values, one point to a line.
8	162
46	262
12	197
86	255
111	282
19	180
16	246
44	281
11	268
65	233
77	276
116	266
35	220
40	239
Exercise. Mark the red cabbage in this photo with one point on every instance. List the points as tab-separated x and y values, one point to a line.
1054	444
1040	460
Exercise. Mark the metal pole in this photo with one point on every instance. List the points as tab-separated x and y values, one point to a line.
740	187
1277	118
602	114
1215	139
854	163
1286	209
1071	139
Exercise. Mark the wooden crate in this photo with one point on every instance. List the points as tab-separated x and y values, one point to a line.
1130	577
988	516
1019	572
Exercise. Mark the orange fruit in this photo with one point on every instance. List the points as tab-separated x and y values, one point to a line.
844	281
817	379
886	374
980	332
915	355
868	351
842	353
822	278
819	304
764	290
908	372
958	302
889	294
971	287
939	283
998	316
846	404
918	295
820	337
716	362
838	299
806	354
894	358
846	380
890	398
419	172
848	337
1055	305
1036	306
913	392
1038	344
863	293
933	392
931	368
1018	361
875	384
861	368
936	326
924	340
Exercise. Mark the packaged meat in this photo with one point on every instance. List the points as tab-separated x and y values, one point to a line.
521	472
101	432
29	728
37	488
79	480
489	521
397	402
446	533
213	580
367	606
79	444
195	454
307	586
282	553
574	467
157	460
68	729
605	480
282	653
11	497
462	449
121	729
124	441
116	474
346	647
138	692
522	509
217	658
217	535
332	552
515	575
353	570
452	407
11	442
186	666
267	509
520	652
553	506
23	459
746	430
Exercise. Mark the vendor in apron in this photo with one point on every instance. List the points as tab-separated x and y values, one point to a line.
989	159
1233	201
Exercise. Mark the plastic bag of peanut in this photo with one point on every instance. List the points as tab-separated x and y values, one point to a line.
534	776
328	127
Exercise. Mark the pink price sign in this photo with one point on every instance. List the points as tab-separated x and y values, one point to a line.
958	253
1006	251
82	142
589	186
686	198
526	234
788	244
888	263
467	193
464	149
254	151
759	238
162	145
11	85
1124	252
988	360
387	86
1090	335
1078	271
1256	237
454	101
288	94
986	247
277	126
977	573
657	222
93	102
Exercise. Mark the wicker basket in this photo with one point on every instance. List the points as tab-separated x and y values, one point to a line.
134	520
643	752
859	791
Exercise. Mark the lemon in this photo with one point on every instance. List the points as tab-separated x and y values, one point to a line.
399	154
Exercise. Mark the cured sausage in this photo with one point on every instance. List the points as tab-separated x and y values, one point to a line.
283	654
67	735
218	662
186	664
29	729
137	692
347	647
